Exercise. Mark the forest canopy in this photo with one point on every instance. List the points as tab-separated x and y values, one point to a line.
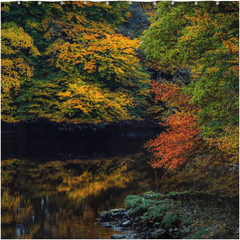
199	46
68	63
90	63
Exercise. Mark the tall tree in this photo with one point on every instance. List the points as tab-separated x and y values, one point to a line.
16	47
81	57
204	39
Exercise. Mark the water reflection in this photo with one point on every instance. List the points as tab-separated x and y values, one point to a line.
62	199
76	147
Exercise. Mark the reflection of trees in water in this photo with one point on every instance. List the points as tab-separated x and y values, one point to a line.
16	217
89	183
62	199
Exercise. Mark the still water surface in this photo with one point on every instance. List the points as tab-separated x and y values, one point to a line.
56	189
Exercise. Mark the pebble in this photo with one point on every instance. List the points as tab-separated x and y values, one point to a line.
158	232
117	236
127	223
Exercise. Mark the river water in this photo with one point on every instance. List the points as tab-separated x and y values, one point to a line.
56	188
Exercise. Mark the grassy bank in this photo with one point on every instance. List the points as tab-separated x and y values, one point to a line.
187	214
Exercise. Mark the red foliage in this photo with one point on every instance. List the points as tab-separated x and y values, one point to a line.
170	148
171	94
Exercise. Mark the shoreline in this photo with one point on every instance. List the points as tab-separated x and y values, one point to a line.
177	215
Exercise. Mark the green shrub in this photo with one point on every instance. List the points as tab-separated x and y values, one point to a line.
214	232
138	205
152	195
157	213
188	221
201	233
170	220
132	201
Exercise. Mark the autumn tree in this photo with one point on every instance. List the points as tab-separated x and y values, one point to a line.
16	46
90	53
83	62
173	147
87	102
204	40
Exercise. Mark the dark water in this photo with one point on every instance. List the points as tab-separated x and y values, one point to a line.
56	188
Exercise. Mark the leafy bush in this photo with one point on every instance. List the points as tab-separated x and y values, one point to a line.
157	213
170	220
138	205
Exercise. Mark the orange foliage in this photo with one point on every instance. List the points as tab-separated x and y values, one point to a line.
172	95
170	148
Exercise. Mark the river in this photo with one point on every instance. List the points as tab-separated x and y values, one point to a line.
56	187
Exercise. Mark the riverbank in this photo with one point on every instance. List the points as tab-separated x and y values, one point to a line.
181	215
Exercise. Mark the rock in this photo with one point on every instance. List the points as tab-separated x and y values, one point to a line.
129	234
105	216
116	210
159	232
127	223
156	224
117	236
113	214
106	224
120	212
137	219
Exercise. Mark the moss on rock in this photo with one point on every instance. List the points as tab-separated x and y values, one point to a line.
186	214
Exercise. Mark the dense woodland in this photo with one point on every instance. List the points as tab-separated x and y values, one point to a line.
91	62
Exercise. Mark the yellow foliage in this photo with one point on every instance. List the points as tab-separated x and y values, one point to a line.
14	68
228	143
89	100
86	184
92	46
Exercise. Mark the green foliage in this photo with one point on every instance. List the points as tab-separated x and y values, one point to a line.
201	233
36	19
16	67
81	55
188	221
204	39
194	214
37	99
153	206
157	213
152	195
170	220
88	59
160	40
209	232
134	202
138	20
